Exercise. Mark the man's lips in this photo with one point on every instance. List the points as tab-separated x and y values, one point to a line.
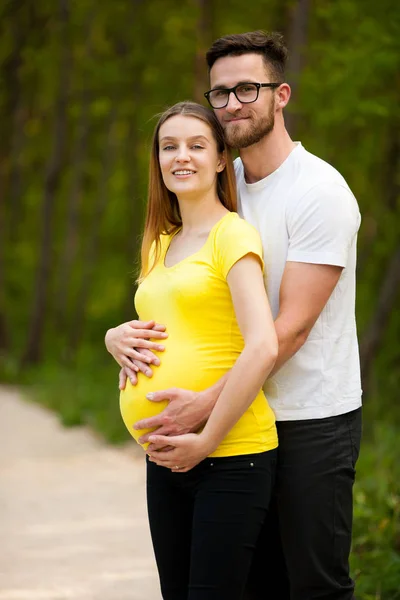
235	119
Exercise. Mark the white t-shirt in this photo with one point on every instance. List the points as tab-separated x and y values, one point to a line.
305	212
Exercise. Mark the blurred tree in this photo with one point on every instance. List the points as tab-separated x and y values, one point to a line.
205	36
299	15
33	350
77	168
77	326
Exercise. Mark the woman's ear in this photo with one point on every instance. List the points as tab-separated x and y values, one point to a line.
221	163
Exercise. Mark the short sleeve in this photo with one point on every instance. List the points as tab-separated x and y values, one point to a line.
234	239
323	225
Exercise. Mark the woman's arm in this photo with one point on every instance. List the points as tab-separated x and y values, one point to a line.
247	376
126	341
258	357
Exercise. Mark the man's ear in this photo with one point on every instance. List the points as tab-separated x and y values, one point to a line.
283	95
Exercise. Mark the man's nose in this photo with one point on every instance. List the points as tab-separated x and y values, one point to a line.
233	103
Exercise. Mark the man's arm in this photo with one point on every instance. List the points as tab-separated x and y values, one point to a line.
305	290
187	411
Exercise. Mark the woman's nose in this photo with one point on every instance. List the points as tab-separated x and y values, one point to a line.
183	154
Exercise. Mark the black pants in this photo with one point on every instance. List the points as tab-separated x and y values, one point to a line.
305	542
205	524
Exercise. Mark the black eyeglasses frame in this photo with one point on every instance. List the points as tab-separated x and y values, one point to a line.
234	88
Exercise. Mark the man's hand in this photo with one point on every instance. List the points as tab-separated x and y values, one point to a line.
186	412
187	451
127	341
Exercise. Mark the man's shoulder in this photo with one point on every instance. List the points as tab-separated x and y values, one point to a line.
303	171
314	171
238	166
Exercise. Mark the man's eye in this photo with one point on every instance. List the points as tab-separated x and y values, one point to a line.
219	93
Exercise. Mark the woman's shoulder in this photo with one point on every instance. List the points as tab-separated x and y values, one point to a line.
231	226
233	239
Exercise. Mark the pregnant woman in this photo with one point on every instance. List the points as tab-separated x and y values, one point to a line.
202	276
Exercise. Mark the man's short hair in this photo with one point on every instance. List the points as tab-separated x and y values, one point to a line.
270	46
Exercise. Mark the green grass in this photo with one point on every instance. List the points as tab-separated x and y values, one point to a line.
376	540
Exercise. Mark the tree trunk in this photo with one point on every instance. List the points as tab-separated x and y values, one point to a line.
12	91
4	334
389	290
297	41
70	244
33	350
389	293
77	327
204	34
136	208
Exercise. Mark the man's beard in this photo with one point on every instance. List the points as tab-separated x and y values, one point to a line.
255	131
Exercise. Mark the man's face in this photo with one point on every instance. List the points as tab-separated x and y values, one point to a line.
244	124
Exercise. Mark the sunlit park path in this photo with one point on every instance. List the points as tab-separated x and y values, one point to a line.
72	512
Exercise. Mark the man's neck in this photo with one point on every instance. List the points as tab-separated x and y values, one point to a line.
262	159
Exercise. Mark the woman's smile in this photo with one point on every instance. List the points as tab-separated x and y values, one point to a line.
183	173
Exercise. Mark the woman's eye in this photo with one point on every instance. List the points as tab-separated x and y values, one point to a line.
168	148
197	147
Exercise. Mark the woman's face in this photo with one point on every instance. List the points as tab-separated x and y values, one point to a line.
188	155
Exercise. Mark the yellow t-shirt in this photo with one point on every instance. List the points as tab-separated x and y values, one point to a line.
193	300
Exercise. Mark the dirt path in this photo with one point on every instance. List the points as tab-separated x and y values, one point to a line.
72	512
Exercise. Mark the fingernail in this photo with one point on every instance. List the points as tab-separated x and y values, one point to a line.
131	379
150	396
161	347
164	335
156	362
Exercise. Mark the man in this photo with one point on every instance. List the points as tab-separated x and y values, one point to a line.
308	220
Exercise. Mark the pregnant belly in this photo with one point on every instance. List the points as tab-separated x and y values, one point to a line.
135	406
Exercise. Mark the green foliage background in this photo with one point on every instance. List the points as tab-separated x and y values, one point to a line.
81	82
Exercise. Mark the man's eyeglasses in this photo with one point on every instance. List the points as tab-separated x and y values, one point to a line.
244	92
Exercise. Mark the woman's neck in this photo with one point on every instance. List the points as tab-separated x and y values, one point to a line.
199	215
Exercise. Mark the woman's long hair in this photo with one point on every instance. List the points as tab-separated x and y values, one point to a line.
163	215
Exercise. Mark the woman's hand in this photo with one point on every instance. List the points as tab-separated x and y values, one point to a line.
125	342
188	450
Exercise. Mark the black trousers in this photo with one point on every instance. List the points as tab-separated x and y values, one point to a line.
205	524
305	543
